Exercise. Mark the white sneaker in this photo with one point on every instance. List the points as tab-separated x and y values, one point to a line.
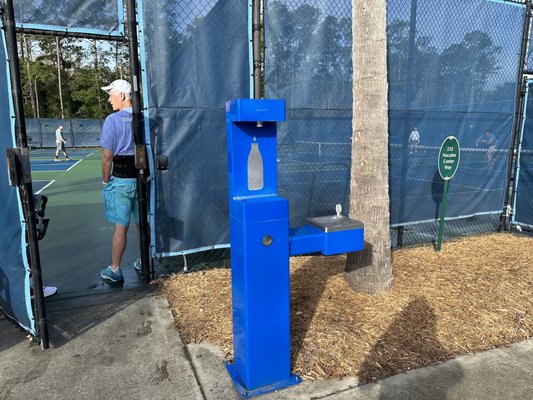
49	290
57	159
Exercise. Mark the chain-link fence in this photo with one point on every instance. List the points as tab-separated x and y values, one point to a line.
523	205
62	77
69	15
308	63
452	70
202	61
77	132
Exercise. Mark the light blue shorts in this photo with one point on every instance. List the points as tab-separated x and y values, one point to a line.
120	201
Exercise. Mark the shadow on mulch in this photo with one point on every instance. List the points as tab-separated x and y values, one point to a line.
305	299
473	295
420	348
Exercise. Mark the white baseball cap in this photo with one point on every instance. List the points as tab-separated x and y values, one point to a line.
119	85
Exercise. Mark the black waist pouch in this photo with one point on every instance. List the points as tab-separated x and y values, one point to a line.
124	167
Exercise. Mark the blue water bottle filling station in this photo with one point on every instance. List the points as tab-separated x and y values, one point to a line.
261	244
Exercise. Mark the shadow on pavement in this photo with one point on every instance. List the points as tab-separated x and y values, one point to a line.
69	317
410	341
10	333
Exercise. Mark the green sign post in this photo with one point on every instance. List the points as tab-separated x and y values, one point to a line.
449	156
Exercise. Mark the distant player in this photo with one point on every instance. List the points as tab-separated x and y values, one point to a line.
60	143
487	141
414	141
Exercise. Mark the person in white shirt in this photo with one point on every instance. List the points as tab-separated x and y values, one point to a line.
414	141
487	141
60	143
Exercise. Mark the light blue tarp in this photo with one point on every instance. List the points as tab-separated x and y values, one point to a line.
14	277
455	76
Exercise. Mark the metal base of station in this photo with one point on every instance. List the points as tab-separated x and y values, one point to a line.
245	393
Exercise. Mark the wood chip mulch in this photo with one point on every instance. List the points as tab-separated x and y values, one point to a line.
473	295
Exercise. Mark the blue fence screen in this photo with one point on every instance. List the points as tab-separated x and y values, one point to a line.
202	62
78	132
451	71
14	269
91	16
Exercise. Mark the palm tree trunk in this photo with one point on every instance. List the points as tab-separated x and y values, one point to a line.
96	80
26	56
370	271
38	115
58	54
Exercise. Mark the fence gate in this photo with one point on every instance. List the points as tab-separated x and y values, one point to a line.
94	19
15	296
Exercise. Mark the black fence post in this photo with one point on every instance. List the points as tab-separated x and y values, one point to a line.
512	165
140	144
257	49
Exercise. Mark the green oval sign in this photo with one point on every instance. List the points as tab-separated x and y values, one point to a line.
449	156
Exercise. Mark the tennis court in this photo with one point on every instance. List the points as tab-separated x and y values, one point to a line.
40	185
44	159
78	240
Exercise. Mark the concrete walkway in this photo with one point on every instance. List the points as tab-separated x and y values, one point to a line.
122	345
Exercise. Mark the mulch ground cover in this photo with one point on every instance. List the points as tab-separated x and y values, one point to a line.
473	295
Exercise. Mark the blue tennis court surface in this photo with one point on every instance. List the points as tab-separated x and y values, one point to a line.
51	165
49	153
43	160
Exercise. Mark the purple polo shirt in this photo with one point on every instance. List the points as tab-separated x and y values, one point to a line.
117	134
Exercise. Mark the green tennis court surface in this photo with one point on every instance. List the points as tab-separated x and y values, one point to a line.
43	160
78	240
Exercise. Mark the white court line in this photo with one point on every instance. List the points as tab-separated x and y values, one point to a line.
44	187
73	165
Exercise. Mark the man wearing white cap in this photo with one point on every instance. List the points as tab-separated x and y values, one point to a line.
118	174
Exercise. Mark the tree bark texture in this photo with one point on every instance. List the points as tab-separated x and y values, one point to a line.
96	80
26	57
59	84
370	270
